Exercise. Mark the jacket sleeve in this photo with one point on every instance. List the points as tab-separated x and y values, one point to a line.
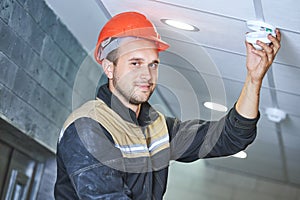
194	139
89	176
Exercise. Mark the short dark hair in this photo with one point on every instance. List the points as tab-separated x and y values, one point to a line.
113	56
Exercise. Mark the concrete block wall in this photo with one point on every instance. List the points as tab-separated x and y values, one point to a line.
39	64
190	181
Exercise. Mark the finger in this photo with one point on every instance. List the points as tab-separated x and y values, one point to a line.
275	41
268	50
249	46
262	54
278	34
264	46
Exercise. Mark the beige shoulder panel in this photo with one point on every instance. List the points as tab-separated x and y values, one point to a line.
128	137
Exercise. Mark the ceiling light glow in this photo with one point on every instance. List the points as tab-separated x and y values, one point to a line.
215	106
179	25
241	154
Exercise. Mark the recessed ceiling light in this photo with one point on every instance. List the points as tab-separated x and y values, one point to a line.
215	106
179	25
241	154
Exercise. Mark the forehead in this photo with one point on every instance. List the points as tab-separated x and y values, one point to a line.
138	46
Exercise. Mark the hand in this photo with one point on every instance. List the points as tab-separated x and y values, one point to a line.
259	61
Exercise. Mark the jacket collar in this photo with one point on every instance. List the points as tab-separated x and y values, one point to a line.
147	113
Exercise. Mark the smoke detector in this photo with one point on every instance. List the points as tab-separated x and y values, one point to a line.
275	114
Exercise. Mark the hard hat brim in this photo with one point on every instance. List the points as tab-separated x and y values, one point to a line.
160	44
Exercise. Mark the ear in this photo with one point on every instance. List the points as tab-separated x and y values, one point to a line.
108	68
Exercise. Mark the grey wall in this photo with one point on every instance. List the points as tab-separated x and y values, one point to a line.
44	74
39	62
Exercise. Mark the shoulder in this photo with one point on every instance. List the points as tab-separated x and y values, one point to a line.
70	134
81	128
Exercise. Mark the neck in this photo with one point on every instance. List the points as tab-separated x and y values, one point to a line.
135	108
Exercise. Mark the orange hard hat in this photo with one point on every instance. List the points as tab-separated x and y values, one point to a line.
127	24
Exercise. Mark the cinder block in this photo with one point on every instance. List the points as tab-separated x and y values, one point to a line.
47	105
44	75
20	21
39	60
23	85
59	89
68	71
7	39
6	9
8	71
24	25
5	100
48	21
27	119
63	92
52	54
59	61
18	113
49	79
35	8
36	38
21	53
39	69
69	44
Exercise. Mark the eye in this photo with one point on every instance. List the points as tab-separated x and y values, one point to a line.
135	64
153	65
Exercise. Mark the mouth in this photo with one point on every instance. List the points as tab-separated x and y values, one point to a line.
145	87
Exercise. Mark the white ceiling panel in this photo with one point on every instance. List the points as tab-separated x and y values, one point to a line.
266	131
231	66
245	10
291	126
231	8
260	156
282	76
234	88
283	14
292	141
213	28
293	163
290	50
289	103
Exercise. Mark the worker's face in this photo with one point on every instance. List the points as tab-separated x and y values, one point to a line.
135	74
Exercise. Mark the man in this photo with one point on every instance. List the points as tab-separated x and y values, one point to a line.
118	147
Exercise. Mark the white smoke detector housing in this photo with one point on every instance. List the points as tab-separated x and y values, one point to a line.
275	114
260	31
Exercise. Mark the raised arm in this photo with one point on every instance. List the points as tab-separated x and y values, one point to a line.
258	63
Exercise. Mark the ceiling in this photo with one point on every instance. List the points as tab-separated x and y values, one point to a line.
210	65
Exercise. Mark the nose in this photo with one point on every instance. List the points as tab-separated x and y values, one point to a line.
145	73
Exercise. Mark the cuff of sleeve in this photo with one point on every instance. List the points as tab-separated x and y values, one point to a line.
239	121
